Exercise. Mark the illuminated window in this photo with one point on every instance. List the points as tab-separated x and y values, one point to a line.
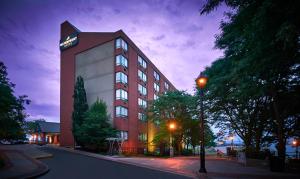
142	137
120	43
166	86
142	117
121	78
142	89
121	111
156	87
155	97
142	76
121	94
121	60
142	103
142	62
156	76
123	135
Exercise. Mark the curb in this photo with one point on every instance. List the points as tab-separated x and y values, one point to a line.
99	156
44	156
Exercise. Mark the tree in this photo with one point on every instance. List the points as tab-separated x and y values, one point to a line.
260	39
229	109
12	108
33	126
181	108
95	127
80	107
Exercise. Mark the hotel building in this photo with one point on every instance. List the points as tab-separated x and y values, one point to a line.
115	70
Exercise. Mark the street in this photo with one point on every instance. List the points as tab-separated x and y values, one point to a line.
65	164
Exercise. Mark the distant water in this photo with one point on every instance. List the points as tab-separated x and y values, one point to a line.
290	150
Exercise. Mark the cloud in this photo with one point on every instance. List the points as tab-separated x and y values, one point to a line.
160	37
171	33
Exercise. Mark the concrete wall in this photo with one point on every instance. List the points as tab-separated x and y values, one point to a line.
96	66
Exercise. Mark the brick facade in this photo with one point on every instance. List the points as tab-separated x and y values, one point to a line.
131	123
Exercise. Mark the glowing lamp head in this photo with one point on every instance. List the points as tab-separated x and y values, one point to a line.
172	126
231	138
201	81
294	142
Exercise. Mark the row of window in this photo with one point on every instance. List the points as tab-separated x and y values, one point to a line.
156	87
142	117
156	76
123	112
123	95
142	89
121	60
123	78
120	43
142	76
142	62
142	103
124	135
142	137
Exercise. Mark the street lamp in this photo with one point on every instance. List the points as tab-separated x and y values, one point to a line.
172	127
201	83
295	143
231	138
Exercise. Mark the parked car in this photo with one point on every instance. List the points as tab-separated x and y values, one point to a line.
5	142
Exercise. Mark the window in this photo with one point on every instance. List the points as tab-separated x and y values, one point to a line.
142	89
142	137
142	103
157	122
142	117
123	135
121	78
142	62
166	86
156	76
120	43
142	76
121	94
155	97
156	87
121	111
121	60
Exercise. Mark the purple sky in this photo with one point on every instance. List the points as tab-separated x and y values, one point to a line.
171	33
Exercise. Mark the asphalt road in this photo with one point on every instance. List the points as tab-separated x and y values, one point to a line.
69	165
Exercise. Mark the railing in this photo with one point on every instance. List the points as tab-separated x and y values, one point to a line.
133	150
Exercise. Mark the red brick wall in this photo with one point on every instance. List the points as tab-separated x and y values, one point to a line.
131	123
67	76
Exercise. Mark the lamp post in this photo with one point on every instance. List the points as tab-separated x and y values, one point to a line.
231	138
201	82
172	127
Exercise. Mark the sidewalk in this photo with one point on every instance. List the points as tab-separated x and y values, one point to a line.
31	150
20	161
189	166
216	167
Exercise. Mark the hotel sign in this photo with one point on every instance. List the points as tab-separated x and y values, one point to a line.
69	41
